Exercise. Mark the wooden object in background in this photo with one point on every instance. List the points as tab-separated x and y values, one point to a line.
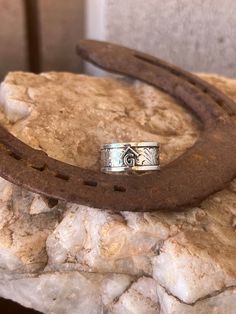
40	35
12	37
61	29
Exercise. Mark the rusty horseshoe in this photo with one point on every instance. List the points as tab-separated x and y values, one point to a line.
208	166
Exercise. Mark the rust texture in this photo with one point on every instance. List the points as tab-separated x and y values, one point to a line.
208	166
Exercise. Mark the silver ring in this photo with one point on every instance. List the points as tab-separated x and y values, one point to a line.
134	156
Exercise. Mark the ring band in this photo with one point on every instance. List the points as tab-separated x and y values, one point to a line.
134	156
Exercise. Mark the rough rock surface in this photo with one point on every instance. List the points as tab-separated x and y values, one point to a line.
66	258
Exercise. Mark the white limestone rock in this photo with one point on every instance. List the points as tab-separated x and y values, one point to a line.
223	302
60	257
61	293
140	298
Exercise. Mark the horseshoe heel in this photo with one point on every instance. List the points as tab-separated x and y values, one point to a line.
208	166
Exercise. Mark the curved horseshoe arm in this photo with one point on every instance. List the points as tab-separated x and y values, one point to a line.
208	166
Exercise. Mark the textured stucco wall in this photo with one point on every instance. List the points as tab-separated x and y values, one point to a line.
198	35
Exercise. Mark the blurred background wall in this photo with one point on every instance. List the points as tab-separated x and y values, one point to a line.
41	35
12	37
198	35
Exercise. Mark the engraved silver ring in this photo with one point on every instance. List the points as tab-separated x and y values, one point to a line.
126	157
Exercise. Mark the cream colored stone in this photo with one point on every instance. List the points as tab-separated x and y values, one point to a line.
140	298
89	111
60	257
41	205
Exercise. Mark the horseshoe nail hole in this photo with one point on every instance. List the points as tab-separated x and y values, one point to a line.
118	188
39	168
175	72
15	156
90	183
62	176
220	102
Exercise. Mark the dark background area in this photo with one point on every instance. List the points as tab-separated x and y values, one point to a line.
40	35
9	307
